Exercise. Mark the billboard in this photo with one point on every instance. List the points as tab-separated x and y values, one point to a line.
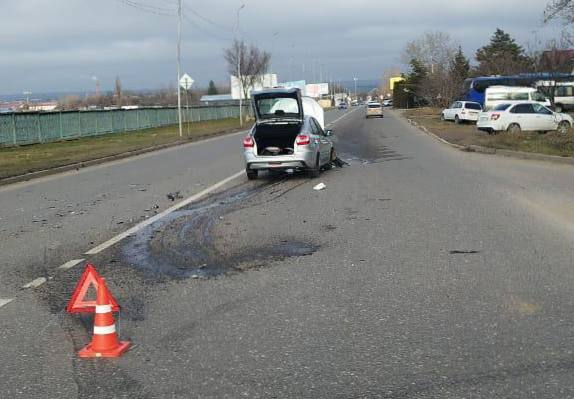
264	81
300	84
316	90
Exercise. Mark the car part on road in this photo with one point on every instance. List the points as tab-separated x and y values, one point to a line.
173	196
319	187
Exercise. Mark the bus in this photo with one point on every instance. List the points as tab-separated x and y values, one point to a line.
473	88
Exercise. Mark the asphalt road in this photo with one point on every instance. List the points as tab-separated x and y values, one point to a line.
419	272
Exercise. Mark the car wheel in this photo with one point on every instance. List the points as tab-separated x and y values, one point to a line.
559	108
315	171
457	120
252	174
563	127
332	158
514	128
442	118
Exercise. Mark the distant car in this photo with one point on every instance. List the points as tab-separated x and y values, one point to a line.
374	109
289	134
388	103
527	116
462	111
343	105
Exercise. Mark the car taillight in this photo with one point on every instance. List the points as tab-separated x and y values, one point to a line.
303	139
248	142
494	117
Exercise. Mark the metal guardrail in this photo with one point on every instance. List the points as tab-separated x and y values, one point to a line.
45	127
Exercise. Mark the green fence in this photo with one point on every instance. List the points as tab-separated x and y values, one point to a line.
44	127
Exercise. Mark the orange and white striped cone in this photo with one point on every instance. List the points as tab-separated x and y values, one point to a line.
105	342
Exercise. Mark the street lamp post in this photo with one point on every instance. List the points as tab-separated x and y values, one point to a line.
355	79
239	55
179	15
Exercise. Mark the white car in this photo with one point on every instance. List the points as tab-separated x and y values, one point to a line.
461	111
527	116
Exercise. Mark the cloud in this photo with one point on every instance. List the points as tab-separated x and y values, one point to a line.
49	44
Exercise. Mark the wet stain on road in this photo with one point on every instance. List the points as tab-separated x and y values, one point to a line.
182	244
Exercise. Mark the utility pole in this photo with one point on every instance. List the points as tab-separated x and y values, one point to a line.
240	81
355	79
179	16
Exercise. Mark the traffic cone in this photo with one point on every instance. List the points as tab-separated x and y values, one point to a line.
105	342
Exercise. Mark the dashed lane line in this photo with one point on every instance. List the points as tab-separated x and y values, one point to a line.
71	263
35	283
5	301
157	217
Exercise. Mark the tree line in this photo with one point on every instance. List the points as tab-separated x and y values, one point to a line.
438	67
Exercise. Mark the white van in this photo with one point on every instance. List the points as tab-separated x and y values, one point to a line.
495	95
563	94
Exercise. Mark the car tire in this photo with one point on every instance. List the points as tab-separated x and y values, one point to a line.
442	118
563	127
457	120
316	170
332	158
514	128
252	174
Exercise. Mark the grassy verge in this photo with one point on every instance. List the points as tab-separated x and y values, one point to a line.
19	160
467	134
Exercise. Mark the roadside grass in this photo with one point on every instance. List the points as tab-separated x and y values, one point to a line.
550	143
24	159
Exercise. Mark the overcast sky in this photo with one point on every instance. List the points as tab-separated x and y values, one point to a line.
59	45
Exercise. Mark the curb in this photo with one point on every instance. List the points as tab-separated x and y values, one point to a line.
496	151
99	161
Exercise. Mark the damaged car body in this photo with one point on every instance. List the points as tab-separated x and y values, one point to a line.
289	134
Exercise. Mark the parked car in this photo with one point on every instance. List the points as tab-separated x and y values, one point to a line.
526	116
495	95
289	133
563	94
374	109
343	105
461	111
388	102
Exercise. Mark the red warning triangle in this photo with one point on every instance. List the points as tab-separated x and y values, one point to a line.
78	304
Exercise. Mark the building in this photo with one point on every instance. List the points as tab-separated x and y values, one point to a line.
218	99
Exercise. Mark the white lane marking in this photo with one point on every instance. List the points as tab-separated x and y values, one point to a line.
5	301
35	283
157	217
69	264
342	116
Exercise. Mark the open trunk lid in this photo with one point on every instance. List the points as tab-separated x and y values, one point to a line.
278	105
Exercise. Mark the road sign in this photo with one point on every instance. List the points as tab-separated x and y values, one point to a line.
186	81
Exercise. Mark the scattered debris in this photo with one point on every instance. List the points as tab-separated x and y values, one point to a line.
338	162
463	251
319	187
173	196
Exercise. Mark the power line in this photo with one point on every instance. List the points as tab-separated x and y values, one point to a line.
209	21
152	9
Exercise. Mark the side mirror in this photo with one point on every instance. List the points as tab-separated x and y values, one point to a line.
328	132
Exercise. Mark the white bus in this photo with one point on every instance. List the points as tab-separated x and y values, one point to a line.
495	95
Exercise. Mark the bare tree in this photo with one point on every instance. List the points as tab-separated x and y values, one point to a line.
435	51
253	64
118	92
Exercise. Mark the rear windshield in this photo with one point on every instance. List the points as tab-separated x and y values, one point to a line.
374	105
472	106
501	107
278	107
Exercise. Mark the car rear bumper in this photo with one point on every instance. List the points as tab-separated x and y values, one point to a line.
299	160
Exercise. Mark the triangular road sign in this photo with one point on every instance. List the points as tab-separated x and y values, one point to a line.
78	304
